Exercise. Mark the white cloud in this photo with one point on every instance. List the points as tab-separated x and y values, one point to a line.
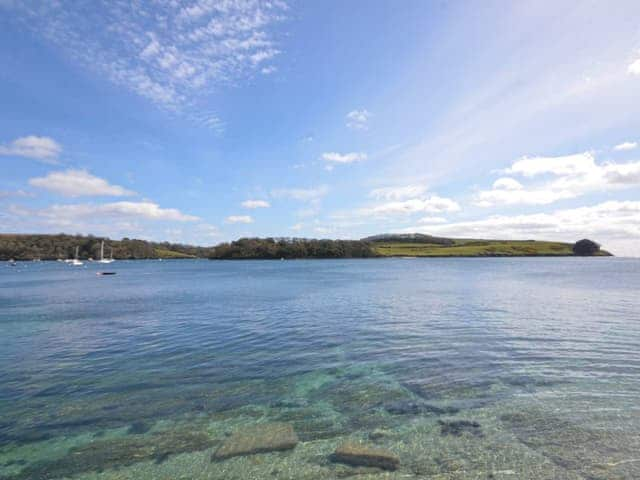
301	194
626	146
432	204
168	52
312	197
358	119
571	176
634	67
297	227
432	220
67	215
565	165
239	219
335	157
268	70
614	224
256	204
398	193
76	183
507	183
44	149
207	231
15	193
322	230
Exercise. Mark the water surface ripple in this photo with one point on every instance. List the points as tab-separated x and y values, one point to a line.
102	376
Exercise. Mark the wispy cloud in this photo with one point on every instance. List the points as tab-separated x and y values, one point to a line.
256	204
571	176
398	193
15	193
43	149
311	197
563	80
70	214
432	220
207	231
322	230
301	194
634	67
334	157
169	52
239	219
626	146
358	119
78	183
432	204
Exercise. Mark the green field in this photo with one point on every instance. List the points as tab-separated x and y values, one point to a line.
476	248
168	254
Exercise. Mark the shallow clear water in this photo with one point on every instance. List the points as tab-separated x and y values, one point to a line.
463	368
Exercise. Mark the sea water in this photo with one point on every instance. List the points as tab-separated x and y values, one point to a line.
494	368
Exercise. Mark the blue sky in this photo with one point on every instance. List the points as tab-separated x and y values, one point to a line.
203	121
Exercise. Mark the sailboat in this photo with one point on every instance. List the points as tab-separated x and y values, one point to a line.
76	261
102	259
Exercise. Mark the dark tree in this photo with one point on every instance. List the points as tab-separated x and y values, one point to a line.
270	248
586	247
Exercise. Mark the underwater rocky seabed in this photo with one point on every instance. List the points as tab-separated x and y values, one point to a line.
514	428
461	370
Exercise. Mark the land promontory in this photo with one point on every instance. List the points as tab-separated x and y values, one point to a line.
62	246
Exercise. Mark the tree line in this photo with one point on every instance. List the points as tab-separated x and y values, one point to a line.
271	248
63	246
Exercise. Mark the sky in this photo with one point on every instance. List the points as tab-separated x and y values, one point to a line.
208	120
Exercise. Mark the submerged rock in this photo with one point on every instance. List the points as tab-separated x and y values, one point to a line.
589	450
458	427
466	393
411	407
362	455
379	434
352	397
262	438
138	428
109	454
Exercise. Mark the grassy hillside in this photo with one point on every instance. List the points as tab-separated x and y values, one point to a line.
168	254
476	248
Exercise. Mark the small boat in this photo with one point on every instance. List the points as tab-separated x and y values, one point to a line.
105	273
102	259
76	261
12	262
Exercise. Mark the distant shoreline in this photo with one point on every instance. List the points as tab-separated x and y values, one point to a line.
381	257
27	247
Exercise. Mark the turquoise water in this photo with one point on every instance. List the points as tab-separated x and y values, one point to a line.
463	368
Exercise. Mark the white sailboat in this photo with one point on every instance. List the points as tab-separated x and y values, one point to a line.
76	261
102	259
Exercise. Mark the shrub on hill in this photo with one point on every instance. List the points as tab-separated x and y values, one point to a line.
586	247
